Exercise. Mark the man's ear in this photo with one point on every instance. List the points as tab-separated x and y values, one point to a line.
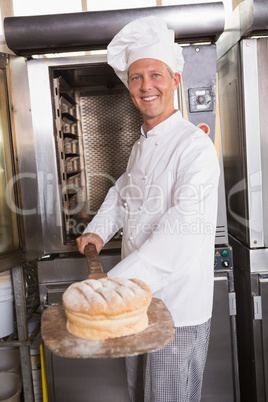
177	79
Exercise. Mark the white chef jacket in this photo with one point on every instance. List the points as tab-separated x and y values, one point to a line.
166	202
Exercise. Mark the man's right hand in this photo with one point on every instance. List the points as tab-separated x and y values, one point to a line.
89	238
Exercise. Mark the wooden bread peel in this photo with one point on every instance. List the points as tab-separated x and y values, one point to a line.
159	333
93	262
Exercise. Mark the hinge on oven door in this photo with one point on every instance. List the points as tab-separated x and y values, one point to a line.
3	60
232	303
257	309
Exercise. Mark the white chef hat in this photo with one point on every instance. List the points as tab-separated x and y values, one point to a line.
147	37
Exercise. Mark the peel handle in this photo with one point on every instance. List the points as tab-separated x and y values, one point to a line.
93	262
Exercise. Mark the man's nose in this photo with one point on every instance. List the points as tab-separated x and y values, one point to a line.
146	84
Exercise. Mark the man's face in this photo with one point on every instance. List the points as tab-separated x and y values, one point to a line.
151	88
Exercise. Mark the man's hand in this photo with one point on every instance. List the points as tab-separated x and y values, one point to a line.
87	238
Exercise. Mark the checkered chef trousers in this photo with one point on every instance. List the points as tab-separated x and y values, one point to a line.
172	374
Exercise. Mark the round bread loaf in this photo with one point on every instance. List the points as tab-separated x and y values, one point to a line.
99	309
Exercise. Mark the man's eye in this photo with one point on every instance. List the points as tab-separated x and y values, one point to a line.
156	75
135	78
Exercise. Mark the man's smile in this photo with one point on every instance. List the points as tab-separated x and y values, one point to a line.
149	98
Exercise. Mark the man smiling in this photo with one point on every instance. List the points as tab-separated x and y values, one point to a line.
170	185
151	88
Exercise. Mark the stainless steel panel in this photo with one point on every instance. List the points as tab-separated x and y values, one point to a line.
259	359
222	227
243	84
250	260
251	332
26	177
264	297
258	260
71	268
233	143
86	380
253	141
220	381
262	57
47	176
10	241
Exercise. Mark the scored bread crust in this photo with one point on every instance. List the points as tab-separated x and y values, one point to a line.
105	308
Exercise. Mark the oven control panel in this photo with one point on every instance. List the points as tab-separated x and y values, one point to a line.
200	99
223	258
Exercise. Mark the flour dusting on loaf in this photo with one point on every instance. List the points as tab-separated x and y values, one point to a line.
106	308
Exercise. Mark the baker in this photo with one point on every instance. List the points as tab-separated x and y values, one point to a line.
166	203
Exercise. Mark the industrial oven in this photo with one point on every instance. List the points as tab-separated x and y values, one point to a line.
74	126
243	84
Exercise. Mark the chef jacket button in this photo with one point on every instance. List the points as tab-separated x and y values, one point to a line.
141	207
130	238
145	177
157	143
138	142
121	233
125	204
129	174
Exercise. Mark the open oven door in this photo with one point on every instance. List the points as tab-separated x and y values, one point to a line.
10	228
20	234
